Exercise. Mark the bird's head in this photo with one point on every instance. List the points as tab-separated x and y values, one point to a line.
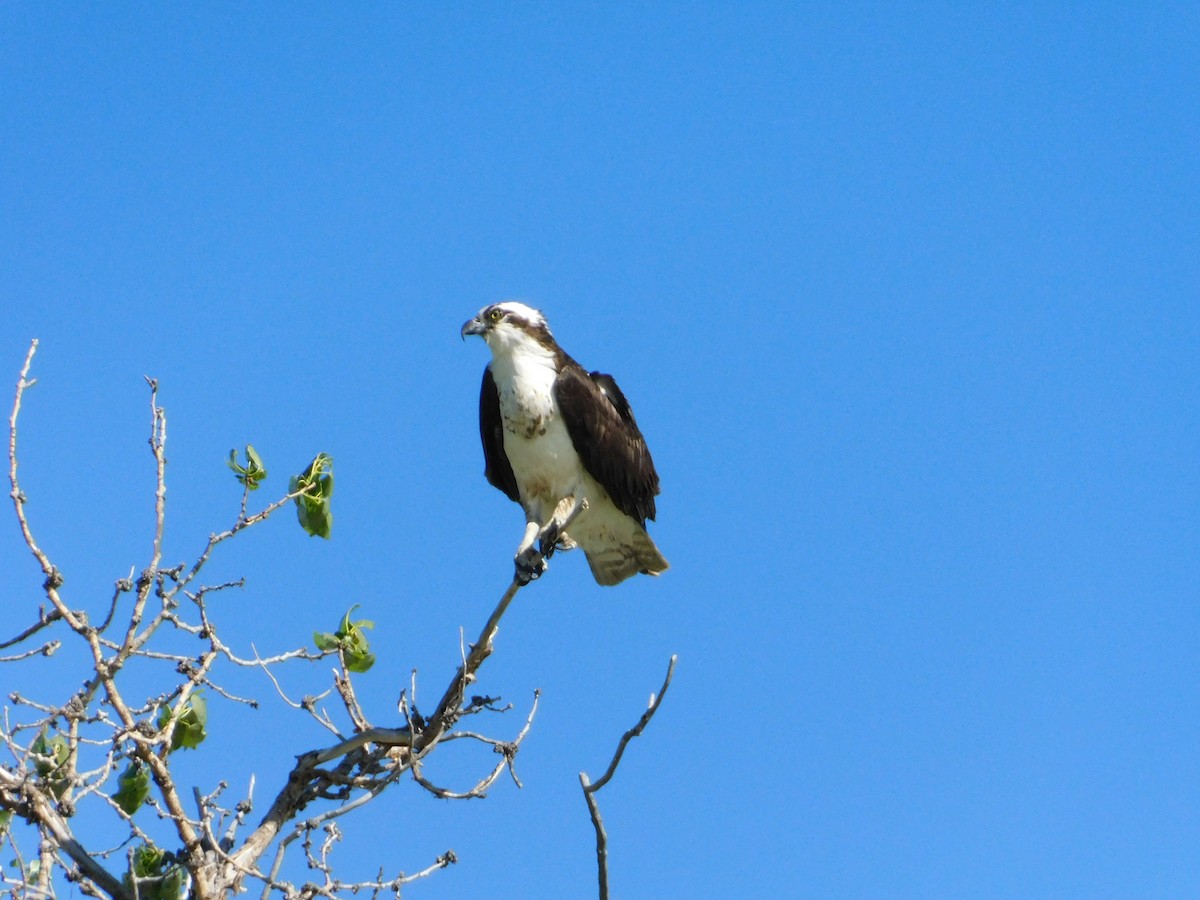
509	326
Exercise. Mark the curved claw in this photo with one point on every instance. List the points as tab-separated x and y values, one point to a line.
553	538
530	564
548	540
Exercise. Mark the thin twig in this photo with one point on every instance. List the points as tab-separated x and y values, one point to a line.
44	619
447	708
54	578
47	649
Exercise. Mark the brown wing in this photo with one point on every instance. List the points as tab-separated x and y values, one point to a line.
497	468
607	439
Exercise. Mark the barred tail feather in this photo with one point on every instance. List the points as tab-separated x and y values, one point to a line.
615	563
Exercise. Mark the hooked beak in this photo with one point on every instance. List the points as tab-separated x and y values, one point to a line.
472	326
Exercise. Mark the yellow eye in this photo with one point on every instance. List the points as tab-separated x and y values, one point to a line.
495	315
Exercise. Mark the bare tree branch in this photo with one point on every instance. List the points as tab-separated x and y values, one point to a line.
47	649
590	788
45	619
303	784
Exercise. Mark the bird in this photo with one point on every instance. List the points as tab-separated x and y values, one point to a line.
563	443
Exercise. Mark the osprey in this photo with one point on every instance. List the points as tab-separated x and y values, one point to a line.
564	444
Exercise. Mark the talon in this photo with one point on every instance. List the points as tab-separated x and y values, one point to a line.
526	574
548	540
530	564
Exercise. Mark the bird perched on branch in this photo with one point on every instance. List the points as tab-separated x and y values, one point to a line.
563	443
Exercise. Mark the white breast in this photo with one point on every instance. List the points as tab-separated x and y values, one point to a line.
536	441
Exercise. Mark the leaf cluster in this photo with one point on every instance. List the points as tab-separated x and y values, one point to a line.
157	875
188	728
133	788
252	473
350	640
50	760
314	488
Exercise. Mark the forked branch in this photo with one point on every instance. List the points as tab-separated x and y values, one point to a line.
590	788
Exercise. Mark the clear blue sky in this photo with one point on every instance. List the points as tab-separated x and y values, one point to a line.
907	301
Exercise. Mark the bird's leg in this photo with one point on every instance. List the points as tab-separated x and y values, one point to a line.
553	534
529	560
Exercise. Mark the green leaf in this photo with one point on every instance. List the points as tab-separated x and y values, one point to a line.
5	820
250	474
147	861
325	641
350	640
50	757
174	884
158	875
134	788
255	460
315	488
187	731
359	662
349	627
51	754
